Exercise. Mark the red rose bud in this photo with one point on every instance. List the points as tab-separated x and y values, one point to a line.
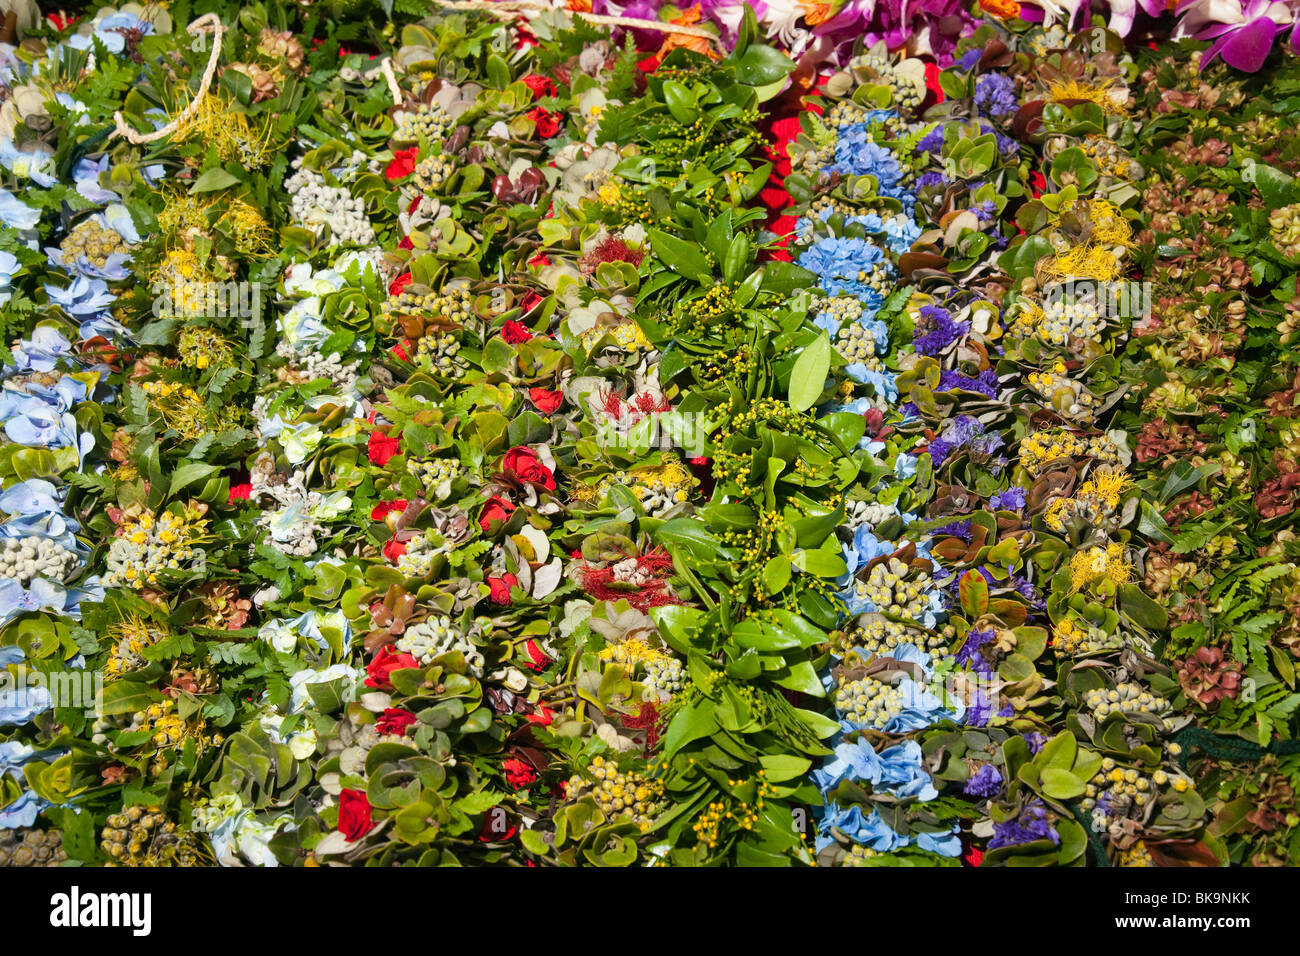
354	815
400	283
546	400
515	332
522	464
501	587
383	665
496	509
395	720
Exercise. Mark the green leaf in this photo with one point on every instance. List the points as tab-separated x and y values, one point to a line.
188	473
684	258
1061	784
213	180
808	379
762	65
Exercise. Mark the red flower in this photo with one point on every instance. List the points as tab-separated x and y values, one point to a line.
354	815
241	492
400	350
394	550
403	163
385	662
395	720
400	283
1037	183
542	717
539	658
487	833
973	857
518	773
496	509
546	400
540	85
522	464
380	511
531	299
381	447
546	123
501	587
515	332
932	81
406	243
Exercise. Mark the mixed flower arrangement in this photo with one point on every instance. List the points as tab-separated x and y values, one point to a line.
744	434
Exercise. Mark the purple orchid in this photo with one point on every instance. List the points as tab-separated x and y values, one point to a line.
1242	33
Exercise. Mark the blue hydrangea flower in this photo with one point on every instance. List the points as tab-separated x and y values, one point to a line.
22	812
16	214
843	266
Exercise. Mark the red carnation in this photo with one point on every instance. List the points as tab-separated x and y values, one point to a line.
381	447
395	720
400	350
386	661
501	587
354	815
241	492
400	283
496	509
515	332
403	163
546	400
380	511
518	773
542	717
546	123
522	464
540	85
539	658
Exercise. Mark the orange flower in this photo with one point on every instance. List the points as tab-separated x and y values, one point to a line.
1002	9
815	13
579	6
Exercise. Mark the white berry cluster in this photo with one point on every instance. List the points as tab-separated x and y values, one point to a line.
25	559
311	366
1127	698
315	205
435	636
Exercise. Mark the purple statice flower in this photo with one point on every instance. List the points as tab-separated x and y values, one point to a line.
1013	499
930	179
1035	741
995	95
985	211
909	410
931	142
985	383
1007	145
937	330
968	59
969	652
1031	824
958	529
964	432
984	782
1025	588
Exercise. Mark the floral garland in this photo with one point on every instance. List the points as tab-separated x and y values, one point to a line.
531	443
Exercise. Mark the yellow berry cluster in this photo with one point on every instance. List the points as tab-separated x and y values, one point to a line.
620	793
